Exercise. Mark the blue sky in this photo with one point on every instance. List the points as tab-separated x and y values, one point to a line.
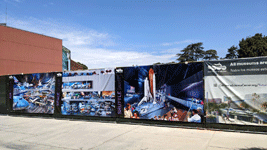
110	33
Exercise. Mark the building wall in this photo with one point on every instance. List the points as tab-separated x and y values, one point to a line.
75	66
65	59
27	52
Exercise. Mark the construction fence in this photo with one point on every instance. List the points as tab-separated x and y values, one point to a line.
224	94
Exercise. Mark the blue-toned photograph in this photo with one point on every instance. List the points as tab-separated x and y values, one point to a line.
89	103
34	93
78	85
89	93
171	92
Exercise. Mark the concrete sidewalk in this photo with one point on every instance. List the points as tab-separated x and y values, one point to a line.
41	133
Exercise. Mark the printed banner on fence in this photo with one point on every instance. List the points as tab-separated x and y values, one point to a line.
171	92
119	84
33	93
89	93
3	94
235	91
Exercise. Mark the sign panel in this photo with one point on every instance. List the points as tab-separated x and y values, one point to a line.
236	91
119	83
33	93
89	93
171	92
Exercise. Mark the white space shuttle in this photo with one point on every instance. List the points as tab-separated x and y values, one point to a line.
149	90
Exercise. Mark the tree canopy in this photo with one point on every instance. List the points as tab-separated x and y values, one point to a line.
232	53
249	47
195	52
192	52
253	46
210	54
83	65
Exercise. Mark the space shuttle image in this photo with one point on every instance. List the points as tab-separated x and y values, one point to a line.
149	88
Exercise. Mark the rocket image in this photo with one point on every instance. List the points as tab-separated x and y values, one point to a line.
151	83
152	80
149	88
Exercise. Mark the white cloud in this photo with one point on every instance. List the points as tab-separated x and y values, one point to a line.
99	58
89	46
68	33
177	42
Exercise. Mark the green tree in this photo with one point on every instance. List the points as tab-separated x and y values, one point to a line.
158	63
83	65
223	105
192	52
232	53
213	106
210	55
253	46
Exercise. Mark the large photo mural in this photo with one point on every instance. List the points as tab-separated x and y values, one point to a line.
171	92
235	91
34	93
89	93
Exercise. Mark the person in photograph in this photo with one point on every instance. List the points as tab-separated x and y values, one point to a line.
195	118
89	86
174	117
172	111
228	115
127	111
136	115
166	118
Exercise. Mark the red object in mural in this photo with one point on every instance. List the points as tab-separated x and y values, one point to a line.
151	73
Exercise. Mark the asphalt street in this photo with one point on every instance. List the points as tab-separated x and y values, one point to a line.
17	132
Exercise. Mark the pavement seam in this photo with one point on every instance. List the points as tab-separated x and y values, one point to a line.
220	147
114	138
210	140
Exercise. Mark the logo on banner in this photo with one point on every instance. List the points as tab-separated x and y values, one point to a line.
218	67
119	71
